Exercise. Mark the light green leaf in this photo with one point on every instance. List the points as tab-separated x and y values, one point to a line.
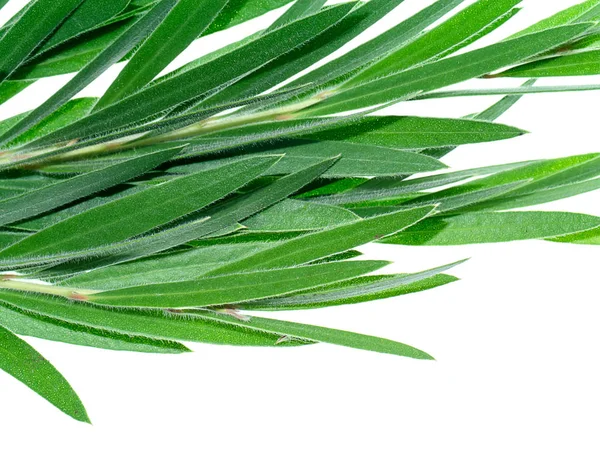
28	324
23	362
290	215
327	242
479	228
583	12
321	334
590	237
356	290
235	288
152	324
569	65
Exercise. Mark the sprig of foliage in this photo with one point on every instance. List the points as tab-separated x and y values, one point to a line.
172	206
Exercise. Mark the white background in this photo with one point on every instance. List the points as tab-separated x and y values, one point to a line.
516	341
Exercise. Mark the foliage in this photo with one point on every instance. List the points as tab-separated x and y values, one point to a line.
172	206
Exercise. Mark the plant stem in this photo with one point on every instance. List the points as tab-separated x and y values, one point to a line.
26	286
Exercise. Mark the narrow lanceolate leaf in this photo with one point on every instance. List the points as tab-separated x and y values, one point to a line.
328	242
111	55
474	21
26	323
152	324
135	214
357	290
586	11
38	21
49	197
65	115
449	71
185	22
198	81
235	288
23	362
291	63
221	217
290	215
300	9
406	132
185	265
479	228
322	334
355	159
90	14
590	237
379	46
575	64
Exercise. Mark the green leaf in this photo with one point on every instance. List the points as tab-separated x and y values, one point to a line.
89	15
38	201
379	46
28	324
516	91
240	11
356	159
570	65
406	132
23	362
39	20
187	20
471	23
384	189
70	112
291	63
479	228
327	242
221	217
8	89
134	214
295	215
321	334
153	324
300	9
164	268
590	237
200	80
583	12
356	290
463	196
109	56
234	288
448	71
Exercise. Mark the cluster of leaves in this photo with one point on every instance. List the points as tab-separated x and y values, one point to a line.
172	206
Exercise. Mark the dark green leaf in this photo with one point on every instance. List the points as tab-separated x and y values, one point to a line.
38	21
